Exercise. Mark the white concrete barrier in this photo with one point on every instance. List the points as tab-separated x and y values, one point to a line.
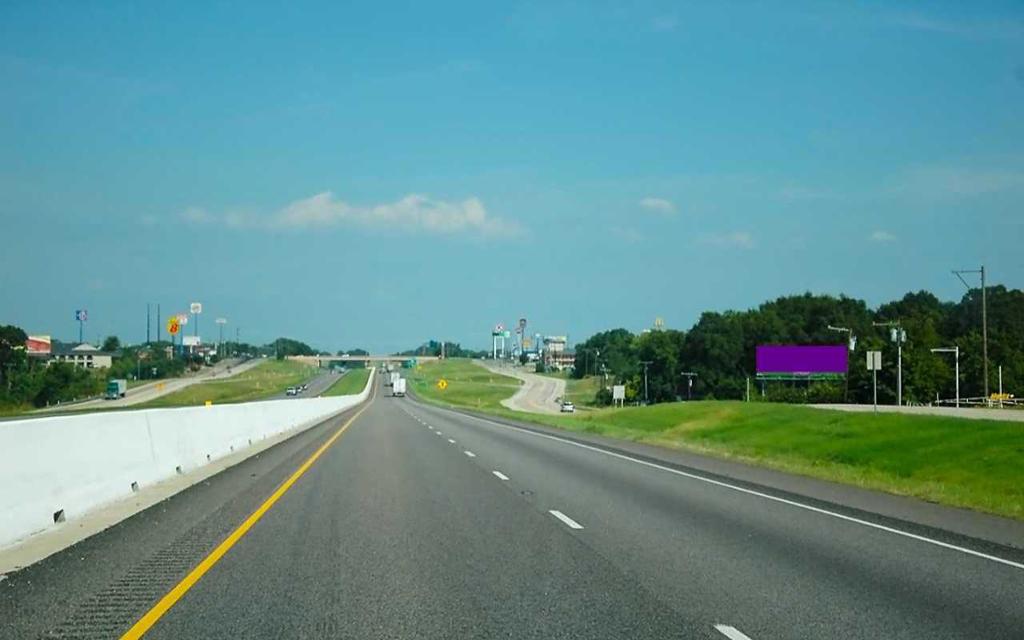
58	468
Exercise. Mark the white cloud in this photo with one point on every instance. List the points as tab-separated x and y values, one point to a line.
882	236
195	215
665	23
412	213
658	205
728	240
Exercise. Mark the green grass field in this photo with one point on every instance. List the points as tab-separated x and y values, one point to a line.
266	379
978	464
349	384
581	391
469	384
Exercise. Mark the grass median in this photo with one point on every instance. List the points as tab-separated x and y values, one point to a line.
266	379
349	384
954	461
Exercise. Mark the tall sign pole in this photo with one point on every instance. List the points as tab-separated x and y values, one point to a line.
220	345
82	316
195	308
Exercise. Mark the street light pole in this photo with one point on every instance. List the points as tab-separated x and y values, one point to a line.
646	363
690	375
899	336
984	318
955	350
852	342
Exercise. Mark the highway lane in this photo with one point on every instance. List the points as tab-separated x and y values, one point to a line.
772	569
319	383
159	388
421	522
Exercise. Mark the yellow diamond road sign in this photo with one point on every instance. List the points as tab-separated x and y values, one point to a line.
442	384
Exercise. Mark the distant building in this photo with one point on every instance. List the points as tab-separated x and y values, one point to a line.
562	360
556	354
81	355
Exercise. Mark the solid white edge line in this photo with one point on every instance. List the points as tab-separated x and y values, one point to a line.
450	441
500	475
569	522
731	632
470	454
792	503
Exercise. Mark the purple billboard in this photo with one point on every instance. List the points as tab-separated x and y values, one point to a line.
802	360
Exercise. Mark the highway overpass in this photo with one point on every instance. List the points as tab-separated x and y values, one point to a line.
319	361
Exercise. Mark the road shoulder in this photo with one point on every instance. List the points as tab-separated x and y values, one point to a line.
963	522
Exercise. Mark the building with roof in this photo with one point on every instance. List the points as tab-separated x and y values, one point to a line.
81	355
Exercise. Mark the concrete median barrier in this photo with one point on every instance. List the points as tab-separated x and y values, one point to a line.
60	468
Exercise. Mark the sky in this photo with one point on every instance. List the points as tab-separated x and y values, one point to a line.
378	174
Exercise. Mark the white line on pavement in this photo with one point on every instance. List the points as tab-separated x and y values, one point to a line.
572	524
731	632
759	494
501	476
451	441
470	454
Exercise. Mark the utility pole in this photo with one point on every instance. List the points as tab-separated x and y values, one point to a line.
646	363
158	325
984	318
899	336
149	322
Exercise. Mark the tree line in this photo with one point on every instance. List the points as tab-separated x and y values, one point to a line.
720	349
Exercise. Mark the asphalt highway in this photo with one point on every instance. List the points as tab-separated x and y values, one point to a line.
317	384
413	521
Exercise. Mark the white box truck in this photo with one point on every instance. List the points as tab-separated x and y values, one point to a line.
393	377
398	390
116	389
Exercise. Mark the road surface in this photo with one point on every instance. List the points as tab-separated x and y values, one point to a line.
319	383
538	394
158	388
420	522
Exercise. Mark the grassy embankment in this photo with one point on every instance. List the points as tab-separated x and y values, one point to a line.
969	463
579	391
349	384
262	381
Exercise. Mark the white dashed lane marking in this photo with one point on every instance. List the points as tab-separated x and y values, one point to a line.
572	524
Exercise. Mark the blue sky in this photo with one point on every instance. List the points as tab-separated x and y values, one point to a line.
381	174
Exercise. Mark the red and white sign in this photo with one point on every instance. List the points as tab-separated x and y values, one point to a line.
38	345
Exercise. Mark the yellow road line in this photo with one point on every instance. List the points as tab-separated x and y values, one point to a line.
147	621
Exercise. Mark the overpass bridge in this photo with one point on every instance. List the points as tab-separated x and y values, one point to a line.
319	361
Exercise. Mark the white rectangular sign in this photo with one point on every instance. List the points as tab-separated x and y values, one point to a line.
191	341
874	360
619	392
